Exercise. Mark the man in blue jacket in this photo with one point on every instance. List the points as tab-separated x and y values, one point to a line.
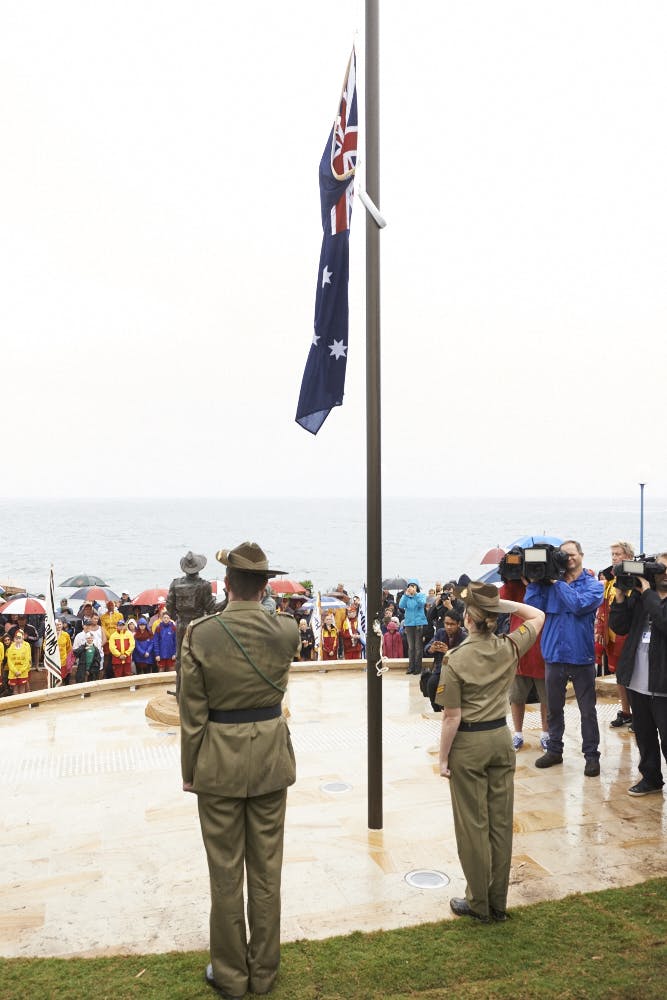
569	654
412	604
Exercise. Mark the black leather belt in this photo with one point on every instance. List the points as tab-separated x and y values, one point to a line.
478	727
245	714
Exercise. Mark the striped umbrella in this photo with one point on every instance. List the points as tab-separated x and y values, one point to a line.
24	606
94	594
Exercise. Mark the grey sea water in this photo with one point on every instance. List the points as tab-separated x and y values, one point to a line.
138	543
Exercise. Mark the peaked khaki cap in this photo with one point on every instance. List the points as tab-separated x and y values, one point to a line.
247	557
484	597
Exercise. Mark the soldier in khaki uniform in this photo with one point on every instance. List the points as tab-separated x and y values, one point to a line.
236	755
476	751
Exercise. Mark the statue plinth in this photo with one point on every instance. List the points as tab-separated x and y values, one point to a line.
163	709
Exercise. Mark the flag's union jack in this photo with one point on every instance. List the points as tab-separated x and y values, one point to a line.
344	150
323	380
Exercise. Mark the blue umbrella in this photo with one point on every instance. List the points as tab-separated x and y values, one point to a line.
326	603
527	541
491	576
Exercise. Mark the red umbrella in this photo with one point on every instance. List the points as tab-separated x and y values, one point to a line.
492	557
24	606
94	594
150	596
286	587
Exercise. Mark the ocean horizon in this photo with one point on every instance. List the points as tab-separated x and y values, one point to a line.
135	543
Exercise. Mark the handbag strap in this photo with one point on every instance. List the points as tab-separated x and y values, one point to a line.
248	656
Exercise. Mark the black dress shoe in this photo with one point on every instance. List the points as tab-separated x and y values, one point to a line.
499	915
208	976
461	908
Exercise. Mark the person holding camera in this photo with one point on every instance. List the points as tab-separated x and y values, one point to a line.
448	637
568	649
412	603
642	668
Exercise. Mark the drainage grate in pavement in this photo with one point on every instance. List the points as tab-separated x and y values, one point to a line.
335	787
427	878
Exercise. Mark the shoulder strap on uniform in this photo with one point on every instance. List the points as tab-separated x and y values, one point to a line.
248	657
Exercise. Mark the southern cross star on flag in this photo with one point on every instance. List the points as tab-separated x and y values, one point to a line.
323	380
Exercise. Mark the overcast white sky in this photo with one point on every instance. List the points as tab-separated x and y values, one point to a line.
160	233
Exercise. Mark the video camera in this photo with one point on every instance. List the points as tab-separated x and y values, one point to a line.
539	564
628	571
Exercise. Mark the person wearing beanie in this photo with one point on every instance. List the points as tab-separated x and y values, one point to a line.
392	641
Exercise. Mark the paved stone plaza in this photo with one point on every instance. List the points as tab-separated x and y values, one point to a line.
102	852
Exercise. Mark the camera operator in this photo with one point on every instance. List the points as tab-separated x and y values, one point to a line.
642	669
569	654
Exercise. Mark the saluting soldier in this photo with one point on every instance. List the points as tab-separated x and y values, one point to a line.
476	751
236	755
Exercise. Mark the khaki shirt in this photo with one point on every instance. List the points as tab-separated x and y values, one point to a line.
476	676
237	760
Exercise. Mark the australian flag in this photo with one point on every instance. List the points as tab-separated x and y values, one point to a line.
323	380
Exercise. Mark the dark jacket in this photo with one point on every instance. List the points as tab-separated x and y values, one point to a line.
94	668
630	618
441	636
437	612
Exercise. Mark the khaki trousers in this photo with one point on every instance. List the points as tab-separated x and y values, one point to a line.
248	833
482	786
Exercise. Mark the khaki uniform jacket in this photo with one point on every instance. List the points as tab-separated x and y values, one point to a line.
236	760
476	676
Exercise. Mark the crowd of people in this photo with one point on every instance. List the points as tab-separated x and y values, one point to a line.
92	644
588	622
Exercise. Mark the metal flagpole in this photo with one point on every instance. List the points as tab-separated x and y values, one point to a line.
373	424
641	517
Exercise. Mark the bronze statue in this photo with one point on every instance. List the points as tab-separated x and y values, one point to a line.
189	597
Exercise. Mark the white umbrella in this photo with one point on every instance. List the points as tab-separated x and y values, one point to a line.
326	603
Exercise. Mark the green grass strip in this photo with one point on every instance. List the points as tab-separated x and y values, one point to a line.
602	944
